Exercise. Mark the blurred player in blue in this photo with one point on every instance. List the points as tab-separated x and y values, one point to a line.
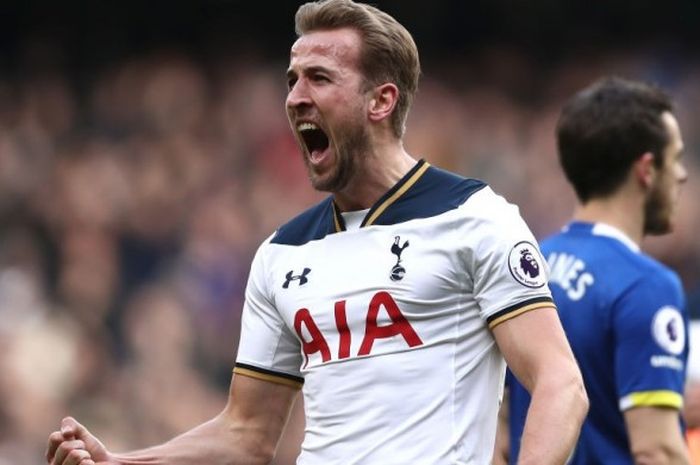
624	313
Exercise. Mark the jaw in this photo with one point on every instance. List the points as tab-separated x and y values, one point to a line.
320	158
323	169
315	143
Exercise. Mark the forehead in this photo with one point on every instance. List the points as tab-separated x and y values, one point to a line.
333	48
675	141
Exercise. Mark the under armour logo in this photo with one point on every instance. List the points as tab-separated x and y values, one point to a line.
398	271
299	277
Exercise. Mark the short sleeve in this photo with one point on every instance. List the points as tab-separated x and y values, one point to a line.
651	351
510	275
267	349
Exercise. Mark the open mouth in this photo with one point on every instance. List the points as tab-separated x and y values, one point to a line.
315	140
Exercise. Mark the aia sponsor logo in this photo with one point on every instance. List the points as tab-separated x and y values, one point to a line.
313	341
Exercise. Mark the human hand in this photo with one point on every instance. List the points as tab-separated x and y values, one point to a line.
73	444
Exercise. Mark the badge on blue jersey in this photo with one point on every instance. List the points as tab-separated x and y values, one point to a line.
526	265
668	329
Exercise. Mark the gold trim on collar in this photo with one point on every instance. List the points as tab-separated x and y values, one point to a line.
336	220
399	192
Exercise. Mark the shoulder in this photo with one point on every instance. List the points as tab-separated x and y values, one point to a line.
442	189
655	276
312	224
425	192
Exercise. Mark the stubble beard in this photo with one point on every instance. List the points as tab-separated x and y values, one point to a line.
351	147
657	212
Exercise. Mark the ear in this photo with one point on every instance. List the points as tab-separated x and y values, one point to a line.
383	101
644	170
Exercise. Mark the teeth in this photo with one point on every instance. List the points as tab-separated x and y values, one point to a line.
306	127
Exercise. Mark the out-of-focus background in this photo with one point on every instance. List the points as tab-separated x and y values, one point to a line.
145	153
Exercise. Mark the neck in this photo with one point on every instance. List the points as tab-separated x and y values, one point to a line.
377	172
623	212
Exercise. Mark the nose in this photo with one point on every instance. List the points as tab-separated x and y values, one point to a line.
298	95
682	173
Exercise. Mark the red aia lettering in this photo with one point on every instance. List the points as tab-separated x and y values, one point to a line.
317	342
400	324
341	323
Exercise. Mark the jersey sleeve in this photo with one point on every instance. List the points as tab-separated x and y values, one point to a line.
268	349
650	329
510	275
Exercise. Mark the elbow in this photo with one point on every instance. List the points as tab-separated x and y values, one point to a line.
580	397
242	439
568	383
571	389
656	455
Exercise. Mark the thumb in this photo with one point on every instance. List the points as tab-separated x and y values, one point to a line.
71	429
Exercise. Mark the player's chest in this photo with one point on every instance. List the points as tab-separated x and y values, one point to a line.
356	293
410	264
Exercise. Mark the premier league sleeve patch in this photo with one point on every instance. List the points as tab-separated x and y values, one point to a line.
526	265
668	329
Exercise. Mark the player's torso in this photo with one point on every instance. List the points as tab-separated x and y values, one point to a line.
387	325
391	337
374	291
589	274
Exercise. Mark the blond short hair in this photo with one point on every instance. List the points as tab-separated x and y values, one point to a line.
388	52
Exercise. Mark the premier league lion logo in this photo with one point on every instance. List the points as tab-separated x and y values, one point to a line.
671	330
526	265
529	264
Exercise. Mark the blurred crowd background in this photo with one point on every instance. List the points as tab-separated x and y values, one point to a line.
145	153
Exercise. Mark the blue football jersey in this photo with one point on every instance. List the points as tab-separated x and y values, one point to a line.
625	317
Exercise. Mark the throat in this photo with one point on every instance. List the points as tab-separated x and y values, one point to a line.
353	219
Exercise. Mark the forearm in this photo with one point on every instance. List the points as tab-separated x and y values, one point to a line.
216	442
655	436
501	449
553	423
662	456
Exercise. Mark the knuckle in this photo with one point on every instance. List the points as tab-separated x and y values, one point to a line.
65	447
76	454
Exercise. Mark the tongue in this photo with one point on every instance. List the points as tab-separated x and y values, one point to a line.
317	155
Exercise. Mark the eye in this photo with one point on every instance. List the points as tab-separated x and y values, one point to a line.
320	78
290	82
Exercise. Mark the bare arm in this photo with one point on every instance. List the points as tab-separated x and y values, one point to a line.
536	349
691	401
655	436
501	449
245	433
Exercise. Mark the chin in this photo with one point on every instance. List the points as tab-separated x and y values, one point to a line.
658	227
323	183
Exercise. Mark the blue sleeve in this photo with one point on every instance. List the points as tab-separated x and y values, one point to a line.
650	327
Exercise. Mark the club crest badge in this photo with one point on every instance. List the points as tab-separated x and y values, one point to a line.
398	271
526	265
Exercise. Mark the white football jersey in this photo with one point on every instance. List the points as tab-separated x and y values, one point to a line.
387	327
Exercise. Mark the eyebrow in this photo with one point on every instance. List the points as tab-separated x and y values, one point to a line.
309	69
